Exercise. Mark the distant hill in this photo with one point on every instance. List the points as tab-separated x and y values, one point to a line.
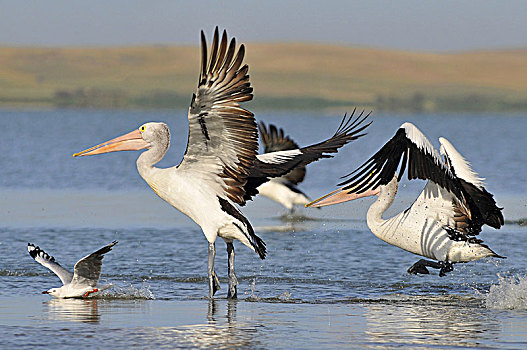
284	76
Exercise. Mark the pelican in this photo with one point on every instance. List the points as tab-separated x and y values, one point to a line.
284	189
220	167
444	219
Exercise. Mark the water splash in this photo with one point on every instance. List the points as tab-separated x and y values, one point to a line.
253	296
285	296
510	293
128	292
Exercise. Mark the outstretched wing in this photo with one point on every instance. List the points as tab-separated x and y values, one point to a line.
273	140
410	145
223	137
276	164
481	204
88	269
48	261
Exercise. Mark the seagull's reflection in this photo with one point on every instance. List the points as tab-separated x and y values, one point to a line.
82	310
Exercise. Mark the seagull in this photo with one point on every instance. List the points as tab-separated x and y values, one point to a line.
86	272
444	219
220	168
284	189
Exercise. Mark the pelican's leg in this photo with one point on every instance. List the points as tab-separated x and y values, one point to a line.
214	283
233	281
421	267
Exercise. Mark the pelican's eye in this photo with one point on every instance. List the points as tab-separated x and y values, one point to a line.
142	128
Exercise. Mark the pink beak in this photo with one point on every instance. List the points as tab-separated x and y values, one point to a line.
340	196
133	141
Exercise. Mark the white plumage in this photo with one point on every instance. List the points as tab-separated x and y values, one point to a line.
86	272
445	218
220	168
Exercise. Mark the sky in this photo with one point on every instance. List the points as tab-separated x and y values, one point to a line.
415	25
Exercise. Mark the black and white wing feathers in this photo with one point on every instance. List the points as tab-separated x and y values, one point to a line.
482	206
223	137
88	269
279	163
408	147
274	140
49	262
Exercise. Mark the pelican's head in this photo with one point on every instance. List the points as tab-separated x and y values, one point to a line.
146	136
155	133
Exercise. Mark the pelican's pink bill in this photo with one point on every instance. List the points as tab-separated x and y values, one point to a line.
133	141
340	196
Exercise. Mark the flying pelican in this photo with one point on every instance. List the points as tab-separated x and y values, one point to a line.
220	167
83	281
283	189
443	221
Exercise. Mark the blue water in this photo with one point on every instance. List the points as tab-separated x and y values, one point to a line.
327	281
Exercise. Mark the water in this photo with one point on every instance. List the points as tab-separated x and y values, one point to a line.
327	281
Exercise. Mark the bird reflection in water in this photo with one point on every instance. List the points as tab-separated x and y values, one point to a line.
454	321
221	330
231	312
81	310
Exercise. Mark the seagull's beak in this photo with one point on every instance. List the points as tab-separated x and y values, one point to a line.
133	141
45	292
340	196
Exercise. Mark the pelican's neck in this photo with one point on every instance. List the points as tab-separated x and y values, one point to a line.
384	201
149	158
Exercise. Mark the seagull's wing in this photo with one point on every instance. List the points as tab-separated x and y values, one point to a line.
273	140
223	137
482	208
407	147
48	261
88	269
275	164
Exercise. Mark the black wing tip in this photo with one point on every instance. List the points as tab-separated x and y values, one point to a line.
107	248
32	250
354	124
260	247
35	251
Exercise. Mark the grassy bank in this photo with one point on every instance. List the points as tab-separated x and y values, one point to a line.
284	76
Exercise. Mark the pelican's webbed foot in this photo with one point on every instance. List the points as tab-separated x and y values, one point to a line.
421	267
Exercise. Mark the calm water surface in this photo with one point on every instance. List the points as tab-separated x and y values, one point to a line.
327	281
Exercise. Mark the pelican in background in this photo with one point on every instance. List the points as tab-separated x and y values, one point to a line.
284	189
443	221
220	167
